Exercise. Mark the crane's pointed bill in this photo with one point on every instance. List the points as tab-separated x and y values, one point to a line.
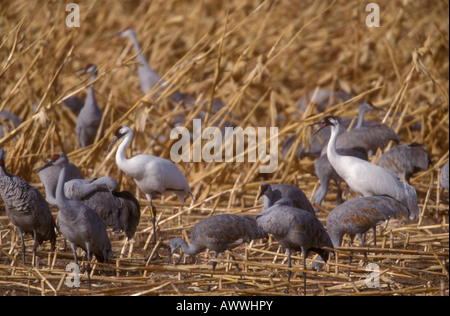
114	140
317	130
46	165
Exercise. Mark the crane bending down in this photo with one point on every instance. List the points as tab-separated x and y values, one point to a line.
218	233
296	230
356	216
26	208
120	210
365	178
153	175
80	224
272	193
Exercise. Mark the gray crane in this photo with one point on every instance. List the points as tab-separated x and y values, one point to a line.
365	178
218	233
149	78
296	230
405	160
120	210
273	193
26	208
356	216
323	99
325	172
90	115
153	175
443	178
79	223
8	117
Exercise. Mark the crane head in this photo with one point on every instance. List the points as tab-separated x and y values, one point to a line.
57	159
265	188
329	120
120	132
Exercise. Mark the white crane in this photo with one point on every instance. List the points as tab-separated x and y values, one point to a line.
365	178
153	175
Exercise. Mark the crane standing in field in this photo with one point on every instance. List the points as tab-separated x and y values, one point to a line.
26	208
149	79
80	224
218	233
153	175
296	230
90	114
365	178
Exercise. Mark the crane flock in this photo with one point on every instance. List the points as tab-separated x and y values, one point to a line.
86	207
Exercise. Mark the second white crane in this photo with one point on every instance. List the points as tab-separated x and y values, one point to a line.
365	178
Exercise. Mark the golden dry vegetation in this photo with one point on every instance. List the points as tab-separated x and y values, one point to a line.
260	58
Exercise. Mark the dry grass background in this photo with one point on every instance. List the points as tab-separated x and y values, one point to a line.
260	57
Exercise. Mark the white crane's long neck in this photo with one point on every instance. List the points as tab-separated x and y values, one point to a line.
331	147
60	196
121	159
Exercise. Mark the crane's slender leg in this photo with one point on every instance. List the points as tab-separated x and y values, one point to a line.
362	238
237	267
374	230
152	215
35	247
75	257
289	266
352	237
304	254
23	243
88	267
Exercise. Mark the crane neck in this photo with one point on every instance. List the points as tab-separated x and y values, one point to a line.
121	158
59	193
140	57
188	249
331	147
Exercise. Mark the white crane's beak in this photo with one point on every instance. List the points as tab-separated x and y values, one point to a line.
319	129
114	140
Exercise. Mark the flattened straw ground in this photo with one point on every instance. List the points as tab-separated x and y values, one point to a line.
260	59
